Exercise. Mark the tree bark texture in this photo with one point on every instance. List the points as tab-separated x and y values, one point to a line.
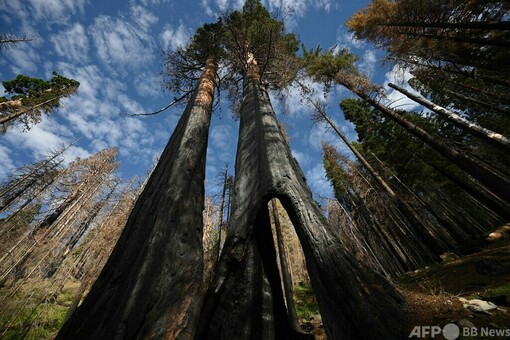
355	302
151	286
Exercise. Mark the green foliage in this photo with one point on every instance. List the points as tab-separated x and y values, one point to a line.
184	66
207	42
29	97
324	66
34	318
400	152
306	304
335	173
253	31
456	50
33	91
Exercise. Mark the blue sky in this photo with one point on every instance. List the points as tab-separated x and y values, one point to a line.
113	48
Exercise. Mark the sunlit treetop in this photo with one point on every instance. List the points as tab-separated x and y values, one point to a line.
253	32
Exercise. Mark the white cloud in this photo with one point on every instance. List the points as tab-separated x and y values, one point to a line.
347	40
395	99
23	59
56	10
221	141
368	63
7	164
42	138
294	7
151	2
216	8
120	45
295	104
172	39
148	85
319	184
72	44
302	158
143	17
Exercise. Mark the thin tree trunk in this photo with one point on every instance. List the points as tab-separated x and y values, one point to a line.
349	293
459	39
492	202
37	168
358	155
481	173
286	277
489	106
151	286
222	208
467	74
475	129
60	209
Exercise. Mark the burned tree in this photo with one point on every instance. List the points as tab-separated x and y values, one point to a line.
151	285
347	291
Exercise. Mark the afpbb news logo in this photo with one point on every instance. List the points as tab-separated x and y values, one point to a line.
451	332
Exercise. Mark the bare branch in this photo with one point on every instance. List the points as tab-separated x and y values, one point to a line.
172	103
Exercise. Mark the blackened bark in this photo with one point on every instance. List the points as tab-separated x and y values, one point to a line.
355	302
151	286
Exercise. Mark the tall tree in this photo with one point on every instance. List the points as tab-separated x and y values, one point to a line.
451	31
487	135
319	66
151	285
266	169
456	50
30	97
381	139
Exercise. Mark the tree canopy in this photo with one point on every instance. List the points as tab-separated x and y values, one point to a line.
27	98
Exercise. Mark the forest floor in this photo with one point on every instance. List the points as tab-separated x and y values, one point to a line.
436	295
34	311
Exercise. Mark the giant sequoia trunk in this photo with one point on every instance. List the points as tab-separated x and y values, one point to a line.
151	286
355	302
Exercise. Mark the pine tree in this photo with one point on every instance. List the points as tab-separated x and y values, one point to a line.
30	97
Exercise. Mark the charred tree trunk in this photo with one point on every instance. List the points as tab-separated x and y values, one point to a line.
349	294
60	209
375	175
151	286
